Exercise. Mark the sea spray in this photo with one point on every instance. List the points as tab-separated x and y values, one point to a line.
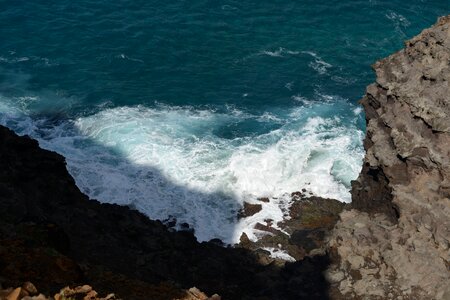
170	161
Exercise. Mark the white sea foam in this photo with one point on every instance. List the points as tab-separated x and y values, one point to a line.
318	64
399	22
358	110
280	254
229	7
170	161
123	56
269	117
12	59
398	19
303	100
289	85
280	52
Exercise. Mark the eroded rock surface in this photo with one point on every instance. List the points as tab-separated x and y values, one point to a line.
394	244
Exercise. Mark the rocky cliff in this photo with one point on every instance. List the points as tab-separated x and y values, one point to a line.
394	243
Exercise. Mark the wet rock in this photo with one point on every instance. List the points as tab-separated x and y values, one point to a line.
249	210
170	222
296	196
302	238
30	288
266	228
244	240
304	232
217	242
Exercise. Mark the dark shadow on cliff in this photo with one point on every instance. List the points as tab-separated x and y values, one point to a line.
36	189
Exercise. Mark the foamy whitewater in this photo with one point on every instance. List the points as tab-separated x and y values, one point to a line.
187	109
168	161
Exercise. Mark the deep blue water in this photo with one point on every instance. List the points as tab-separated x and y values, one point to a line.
189	108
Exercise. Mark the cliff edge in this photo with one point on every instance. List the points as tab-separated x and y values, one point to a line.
394	243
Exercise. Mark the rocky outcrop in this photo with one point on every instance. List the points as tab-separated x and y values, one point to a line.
300	235
394	243
29	292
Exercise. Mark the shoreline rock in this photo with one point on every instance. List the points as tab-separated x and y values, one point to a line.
53	235
301	234
249	209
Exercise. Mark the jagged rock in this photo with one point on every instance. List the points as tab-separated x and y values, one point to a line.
395	241
264	199
195	294
249	210
30	288
15	294
303	233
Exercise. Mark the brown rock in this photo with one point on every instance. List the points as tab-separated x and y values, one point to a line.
195	294
249	210
244	240
83	289
296	196
30	288
264	199
14	295
91	295
266	228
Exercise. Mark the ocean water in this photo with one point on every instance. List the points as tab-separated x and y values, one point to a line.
187	109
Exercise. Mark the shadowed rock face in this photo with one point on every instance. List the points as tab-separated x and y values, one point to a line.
53	235
395	242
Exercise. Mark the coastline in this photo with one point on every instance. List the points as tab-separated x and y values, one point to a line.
397	222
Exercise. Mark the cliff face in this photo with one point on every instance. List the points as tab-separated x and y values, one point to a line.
395	240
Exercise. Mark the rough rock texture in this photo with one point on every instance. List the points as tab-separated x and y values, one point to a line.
85	292
303	233
394	244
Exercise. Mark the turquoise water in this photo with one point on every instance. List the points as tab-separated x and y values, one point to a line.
190	108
